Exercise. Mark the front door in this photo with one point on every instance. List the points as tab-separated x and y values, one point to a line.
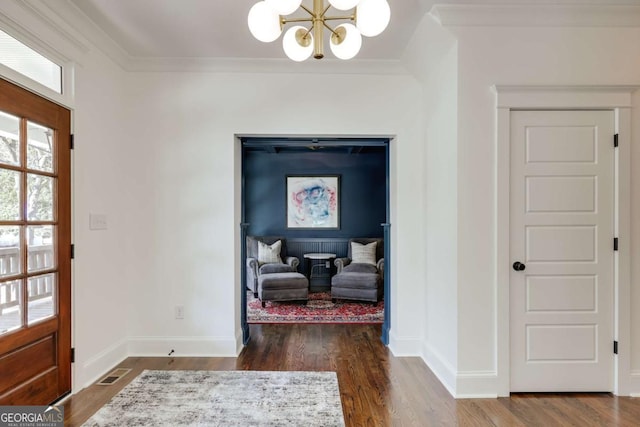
561	240
35	239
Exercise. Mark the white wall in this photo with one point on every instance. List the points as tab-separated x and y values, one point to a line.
185	226
635	245
512	56
101	266
432	56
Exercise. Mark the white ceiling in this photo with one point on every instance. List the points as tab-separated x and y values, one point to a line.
218	29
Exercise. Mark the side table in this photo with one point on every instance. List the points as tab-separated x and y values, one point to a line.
318	256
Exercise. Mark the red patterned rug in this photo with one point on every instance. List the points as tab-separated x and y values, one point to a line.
319	309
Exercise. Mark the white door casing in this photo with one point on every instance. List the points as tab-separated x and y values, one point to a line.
562	229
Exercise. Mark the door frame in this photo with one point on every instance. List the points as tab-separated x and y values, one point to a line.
239	154
48	109
613	98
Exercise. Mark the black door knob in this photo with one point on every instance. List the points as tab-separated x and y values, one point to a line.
518	266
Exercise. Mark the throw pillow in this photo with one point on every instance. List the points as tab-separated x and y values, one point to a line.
268	254
365	254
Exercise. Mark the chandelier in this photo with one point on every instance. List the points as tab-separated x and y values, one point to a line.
367	18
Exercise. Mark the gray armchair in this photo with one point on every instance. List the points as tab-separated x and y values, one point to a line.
253	267
357	280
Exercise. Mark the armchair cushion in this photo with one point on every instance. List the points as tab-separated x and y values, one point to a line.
360	268
276	268
364	254
268	254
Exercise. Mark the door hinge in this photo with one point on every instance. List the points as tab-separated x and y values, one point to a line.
615	140
615	243
72	141
73	251
73	354
615	347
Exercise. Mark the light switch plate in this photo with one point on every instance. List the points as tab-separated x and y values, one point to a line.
97	222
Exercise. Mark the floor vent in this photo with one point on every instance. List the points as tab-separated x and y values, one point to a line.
113	376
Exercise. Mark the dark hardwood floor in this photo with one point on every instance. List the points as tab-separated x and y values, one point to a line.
377	389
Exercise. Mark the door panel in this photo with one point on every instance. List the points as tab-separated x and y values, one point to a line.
561	228
35	239
561	194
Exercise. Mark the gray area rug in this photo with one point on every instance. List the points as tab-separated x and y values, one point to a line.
225	398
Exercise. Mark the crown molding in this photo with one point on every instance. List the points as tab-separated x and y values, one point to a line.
537	15
31	23
67	16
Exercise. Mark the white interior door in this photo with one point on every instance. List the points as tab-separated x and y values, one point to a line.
561	231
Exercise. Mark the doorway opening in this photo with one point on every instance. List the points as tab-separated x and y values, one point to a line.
358	168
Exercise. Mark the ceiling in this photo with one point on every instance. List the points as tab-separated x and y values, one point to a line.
218	29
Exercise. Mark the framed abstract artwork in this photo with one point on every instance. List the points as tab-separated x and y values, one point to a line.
313	201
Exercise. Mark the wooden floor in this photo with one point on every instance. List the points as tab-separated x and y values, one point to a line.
377	389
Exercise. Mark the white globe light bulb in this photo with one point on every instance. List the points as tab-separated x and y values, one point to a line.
291	43
372	17
344	4
264	22
284	7
350	44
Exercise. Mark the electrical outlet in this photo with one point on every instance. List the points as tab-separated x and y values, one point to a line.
179	312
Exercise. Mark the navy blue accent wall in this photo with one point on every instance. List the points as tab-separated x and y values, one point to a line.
362	191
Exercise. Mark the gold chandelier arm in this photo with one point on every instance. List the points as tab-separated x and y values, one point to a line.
308	31
305	8
329	28
336	18
286	21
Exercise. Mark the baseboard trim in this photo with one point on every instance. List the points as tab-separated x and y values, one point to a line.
404	346
441	368
634	384
96	366
183	346
477	385
239	344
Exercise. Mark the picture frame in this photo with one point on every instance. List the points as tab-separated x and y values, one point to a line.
313	202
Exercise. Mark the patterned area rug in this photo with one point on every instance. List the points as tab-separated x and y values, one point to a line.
225	398
319	309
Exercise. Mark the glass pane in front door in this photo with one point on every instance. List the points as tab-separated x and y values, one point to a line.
41	296
39	148
10	194
39	197
10	251
10	305
9	140
40	244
